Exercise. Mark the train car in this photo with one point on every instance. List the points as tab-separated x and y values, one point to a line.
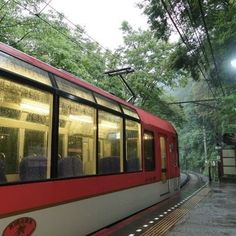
74	158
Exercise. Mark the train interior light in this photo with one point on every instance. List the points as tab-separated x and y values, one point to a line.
81	118
34	107
108	124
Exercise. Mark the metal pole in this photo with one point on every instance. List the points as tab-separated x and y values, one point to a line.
205	152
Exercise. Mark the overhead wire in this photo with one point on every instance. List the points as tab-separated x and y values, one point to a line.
201	46
76	26
195	31
210	45
46	4
186	44
179	24
38	15
4	4
55	28
194	27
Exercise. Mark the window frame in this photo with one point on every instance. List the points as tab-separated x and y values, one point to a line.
25	81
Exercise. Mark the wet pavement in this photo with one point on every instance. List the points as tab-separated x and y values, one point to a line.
214	215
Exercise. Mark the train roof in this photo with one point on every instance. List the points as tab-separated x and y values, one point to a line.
145	117
151	119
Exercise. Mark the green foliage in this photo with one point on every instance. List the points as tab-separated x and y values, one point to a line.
220	19
153	76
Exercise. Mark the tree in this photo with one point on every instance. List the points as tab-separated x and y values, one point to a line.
49	38
149	57
207	35
206	46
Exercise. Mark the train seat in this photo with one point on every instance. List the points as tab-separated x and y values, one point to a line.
33	168
109	165
70	166
132	164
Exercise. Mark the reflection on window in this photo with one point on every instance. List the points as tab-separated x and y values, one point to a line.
110	151
133	146
149	157
74	89
19	67
25	134
107	103
77	142
130	112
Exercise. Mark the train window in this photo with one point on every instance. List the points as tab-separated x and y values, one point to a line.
149	154
22	68
77	139
74	89
110	149
130	112
133	146
107	103
163	153
25	133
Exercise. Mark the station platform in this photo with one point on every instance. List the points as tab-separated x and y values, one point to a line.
201	209
214	215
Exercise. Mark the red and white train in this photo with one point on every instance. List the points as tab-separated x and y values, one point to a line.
74	158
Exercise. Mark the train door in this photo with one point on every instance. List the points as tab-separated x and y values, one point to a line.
173	157
173	163
164	165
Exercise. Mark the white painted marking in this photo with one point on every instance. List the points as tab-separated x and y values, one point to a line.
138	230
145	226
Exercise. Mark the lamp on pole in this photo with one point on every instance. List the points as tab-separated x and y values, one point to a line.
233	63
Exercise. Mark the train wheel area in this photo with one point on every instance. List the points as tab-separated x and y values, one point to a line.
159	218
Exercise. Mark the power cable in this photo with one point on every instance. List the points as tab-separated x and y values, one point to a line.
4	4
186	44
187	39
184	34
55	28
198	39
46	4
194	26
76	26
195	31
209	42
19	40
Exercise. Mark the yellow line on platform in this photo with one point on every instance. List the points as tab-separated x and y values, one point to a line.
171	219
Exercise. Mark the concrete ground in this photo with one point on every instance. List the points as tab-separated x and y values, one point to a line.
213	216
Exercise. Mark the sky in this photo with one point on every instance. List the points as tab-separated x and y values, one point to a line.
102	19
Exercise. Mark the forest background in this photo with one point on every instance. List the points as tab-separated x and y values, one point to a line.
190	82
